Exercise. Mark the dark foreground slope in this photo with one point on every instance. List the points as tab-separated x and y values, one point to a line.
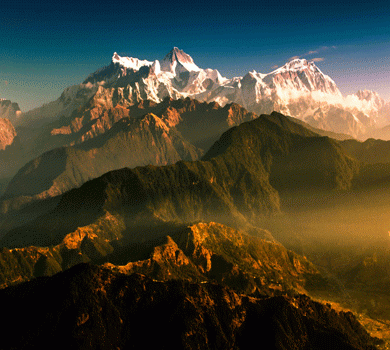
88	307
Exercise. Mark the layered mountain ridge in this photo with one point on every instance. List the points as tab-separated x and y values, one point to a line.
107	138
136	220
237	182
179	189
129	87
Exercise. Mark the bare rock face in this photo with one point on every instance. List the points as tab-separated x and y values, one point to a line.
7	133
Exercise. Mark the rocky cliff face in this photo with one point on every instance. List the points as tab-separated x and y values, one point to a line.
7	133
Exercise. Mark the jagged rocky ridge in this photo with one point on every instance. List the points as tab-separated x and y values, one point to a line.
252	264
94	307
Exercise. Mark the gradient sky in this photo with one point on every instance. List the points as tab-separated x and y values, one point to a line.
45	47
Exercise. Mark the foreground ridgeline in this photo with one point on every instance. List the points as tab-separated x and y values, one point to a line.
87	307
205	286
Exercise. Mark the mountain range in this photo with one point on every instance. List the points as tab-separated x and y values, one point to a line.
239	178
298	88
117	91
174	172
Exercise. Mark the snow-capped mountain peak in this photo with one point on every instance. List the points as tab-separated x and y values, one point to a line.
302	75
298	88
130	62
177	61
297	64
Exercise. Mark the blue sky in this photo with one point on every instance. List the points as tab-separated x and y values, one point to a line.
46	47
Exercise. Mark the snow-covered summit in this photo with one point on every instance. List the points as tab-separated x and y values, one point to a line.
177	61
298	88
302	75
298	64
130	62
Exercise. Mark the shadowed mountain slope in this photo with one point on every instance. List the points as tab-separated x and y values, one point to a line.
96	308
130	142
101	138
294	157
230	185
